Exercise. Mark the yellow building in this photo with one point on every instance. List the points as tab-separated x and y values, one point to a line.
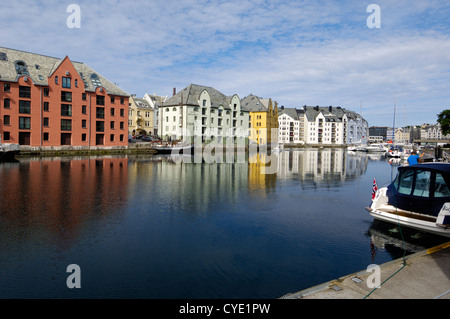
263	119
140	117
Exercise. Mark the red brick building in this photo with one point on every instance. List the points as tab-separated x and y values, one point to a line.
51	102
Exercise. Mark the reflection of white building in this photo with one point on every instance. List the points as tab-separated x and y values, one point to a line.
320	165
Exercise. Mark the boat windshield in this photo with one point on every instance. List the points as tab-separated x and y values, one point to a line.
418	183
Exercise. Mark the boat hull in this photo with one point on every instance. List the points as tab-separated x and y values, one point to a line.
174	150
410	222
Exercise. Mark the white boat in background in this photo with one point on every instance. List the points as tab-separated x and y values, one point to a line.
418	198
376	148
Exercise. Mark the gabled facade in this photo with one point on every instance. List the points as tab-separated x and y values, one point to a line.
290	127
155	102
202	111
140	117
263	119
51	102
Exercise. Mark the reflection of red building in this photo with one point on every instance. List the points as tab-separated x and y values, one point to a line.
47	101
60	197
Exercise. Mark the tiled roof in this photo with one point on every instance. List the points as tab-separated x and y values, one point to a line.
190	96
40	67
255	104
292	112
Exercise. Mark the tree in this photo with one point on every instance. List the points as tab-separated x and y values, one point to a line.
444	121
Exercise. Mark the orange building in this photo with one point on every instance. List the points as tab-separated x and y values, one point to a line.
52	102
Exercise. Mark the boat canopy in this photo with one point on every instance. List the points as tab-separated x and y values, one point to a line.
421	188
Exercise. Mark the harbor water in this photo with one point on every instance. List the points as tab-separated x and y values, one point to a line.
156	227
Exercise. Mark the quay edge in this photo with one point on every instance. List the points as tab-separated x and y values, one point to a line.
423	275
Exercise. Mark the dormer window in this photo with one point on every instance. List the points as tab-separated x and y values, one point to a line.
3	56
95	80
21	68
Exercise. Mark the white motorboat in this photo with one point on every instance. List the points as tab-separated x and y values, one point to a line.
418	198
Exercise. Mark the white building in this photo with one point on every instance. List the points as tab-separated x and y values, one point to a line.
289	125
322	125
432	132
202	111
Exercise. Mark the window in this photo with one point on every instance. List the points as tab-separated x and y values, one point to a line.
121	137
25	91
6	136
122	112
404	182
100	112
24	107
122	100
6	120
83	137
66	110
100	126
422	186
46	121
66	82
46	92
7	87
441	187
66	125
111	125
111	138
21	68
66	96
83	109
76	83
7	103
112	111
56	80
83	96
46	136
112	99
100	100
83	123
46	106
24	123
122	125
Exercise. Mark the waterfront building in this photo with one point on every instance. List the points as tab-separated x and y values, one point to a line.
290	126
263	119
357	128
202	111
155	102
324	125
140	117
52	102
432	132
380	131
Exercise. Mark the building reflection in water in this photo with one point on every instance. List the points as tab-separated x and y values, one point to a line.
313	167
175	185
57	196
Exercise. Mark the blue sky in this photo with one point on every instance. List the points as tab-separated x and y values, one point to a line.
295	52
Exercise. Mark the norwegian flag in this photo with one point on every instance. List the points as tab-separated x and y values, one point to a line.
374	189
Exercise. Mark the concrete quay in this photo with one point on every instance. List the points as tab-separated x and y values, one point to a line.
423	275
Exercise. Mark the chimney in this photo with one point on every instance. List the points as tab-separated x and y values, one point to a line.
174	91
330	108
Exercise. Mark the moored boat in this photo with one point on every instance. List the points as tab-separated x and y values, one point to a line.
174	148
8	152
418	198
